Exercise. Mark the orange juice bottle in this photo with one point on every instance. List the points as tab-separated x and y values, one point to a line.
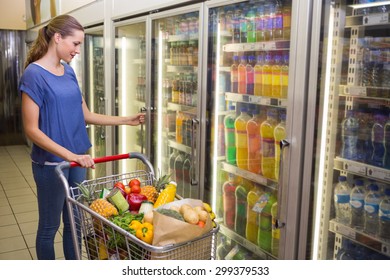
254	148
267	75
242	75
268	144
279	135
258	90
276	76
241	138
179	127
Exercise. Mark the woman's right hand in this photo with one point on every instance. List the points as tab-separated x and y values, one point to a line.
84	161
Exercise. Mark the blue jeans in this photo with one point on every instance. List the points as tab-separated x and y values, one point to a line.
51	204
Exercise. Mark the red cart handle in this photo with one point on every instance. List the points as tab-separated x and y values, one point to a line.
104	159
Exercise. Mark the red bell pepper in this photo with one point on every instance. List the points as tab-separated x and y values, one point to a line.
135	200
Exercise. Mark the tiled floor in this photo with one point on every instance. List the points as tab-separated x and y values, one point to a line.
18	206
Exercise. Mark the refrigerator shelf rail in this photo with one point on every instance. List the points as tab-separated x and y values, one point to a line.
253	99
380	245
380	93
250	176
245	243
258	46
369	20
362	169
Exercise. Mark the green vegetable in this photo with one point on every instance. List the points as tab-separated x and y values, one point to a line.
171	213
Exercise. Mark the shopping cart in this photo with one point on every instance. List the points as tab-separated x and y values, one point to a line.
98	238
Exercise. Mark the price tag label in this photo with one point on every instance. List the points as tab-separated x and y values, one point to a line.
254	99
346	231
355	167
265	101
378	173
381	18
355	91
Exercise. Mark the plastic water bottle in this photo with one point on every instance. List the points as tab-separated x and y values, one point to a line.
342	193
384	216
371	209
358	193
364	146
387	144
377	140
350	128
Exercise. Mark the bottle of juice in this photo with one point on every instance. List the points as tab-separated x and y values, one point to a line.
286	19
251	25
250	75
254	141
241	207
175	90
264	239
179	127
258	80
276	76
229	202
277	23
275	231
241	138
253	217
268	144
230	136
234	75
260	23
242	75
279	134
284	73
267	75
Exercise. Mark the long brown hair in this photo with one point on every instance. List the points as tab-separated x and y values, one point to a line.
63	24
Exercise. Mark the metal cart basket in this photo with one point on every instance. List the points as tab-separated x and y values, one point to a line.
97	238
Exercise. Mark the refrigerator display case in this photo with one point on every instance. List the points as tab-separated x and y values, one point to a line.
131	89
175	97
351	144
251	173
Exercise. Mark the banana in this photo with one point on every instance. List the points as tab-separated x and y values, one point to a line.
207	207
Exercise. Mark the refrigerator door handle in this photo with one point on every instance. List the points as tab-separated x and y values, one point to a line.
193	180
283	145
142	110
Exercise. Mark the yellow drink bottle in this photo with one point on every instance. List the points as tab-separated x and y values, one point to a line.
241	138
267	75
253	217
276	76
268	144
279	135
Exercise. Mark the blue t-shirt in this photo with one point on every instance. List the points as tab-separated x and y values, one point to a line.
61	115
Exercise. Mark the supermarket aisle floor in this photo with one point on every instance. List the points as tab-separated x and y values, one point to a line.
18	206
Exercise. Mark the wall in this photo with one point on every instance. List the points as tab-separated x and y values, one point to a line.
13	13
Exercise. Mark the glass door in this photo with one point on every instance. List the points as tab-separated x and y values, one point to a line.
175	97
130	89
248	100
95	94
353	171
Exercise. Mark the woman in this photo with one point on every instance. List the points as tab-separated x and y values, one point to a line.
54	116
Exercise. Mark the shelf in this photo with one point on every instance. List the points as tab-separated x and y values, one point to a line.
250	176
365	92
183	37
179	147
182	108
374	20
258	46
244	242
182	69
252	99
362	169
369	241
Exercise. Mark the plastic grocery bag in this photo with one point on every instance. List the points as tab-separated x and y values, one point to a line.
171	231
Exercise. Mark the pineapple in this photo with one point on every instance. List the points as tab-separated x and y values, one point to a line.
161	182
150	192
103	208
86	193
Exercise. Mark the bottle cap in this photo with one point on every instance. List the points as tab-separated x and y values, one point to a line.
359	182
387	191
373	187
342	178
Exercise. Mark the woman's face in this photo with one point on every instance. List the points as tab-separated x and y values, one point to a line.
69	46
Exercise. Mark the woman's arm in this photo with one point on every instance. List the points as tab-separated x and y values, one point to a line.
100	119
30	116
